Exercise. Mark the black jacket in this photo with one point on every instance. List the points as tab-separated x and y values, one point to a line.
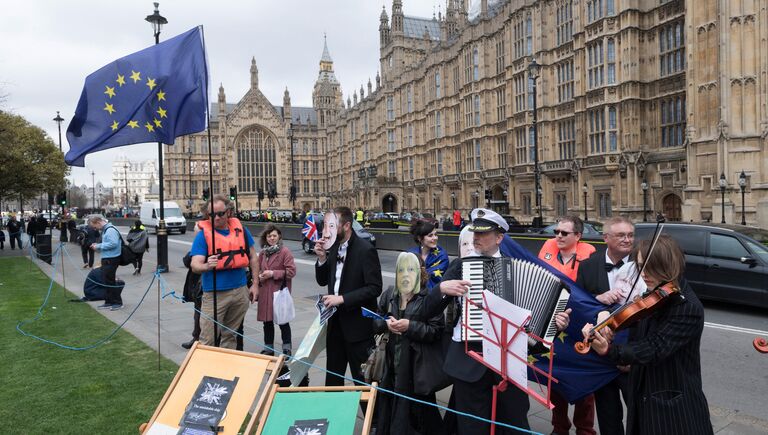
360	286
592	276
665	394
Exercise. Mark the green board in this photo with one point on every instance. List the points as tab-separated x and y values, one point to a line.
338	407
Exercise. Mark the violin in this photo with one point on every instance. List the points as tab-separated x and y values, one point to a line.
761	345
628	314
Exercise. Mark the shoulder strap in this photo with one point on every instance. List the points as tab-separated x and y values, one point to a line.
118	234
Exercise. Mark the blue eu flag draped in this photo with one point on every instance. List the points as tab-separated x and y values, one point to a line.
154	95
578	375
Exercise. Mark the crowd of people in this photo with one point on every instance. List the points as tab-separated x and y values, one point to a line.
420	317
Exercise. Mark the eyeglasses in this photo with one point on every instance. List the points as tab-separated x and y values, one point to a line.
563	233
622	236
220	213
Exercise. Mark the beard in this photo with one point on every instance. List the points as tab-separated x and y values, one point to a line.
341	233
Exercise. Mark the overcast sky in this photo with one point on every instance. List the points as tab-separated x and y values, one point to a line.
47	48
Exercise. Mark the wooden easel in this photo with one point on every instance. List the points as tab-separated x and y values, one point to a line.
251	369
367	395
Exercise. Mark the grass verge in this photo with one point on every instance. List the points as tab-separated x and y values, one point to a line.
109	389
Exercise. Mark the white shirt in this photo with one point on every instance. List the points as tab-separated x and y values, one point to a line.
613	273
340	266
457	329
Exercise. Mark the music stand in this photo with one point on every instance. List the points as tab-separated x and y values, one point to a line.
277	423
503	341
247	368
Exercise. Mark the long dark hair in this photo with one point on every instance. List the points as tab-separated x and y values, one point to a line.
666	263
420	229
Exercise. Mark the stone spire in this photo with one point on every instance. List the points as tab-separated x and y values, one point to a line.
370	87
286	105
397	17
384	37
222	101
362	93
378	81
254	74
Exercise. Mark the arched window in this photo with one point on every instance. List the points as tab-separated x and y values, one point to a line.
256	160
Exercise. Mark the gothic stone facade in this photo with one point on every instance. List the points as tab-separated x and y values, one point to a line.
663	94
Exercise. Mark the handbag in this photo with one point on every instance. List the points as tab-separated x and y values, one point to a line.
126	255
282	305
373	367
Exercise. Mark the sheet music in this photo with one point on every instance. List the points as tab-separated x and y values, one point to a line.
517	370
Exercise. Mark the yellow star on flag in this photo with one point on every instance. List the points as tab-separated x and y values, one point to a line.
133	124
438	272
162	112
120	80
546	355
158	124
114	125
532	359
160	95
149	127
110	91
109	108
436	251
151	83
135	76
562	336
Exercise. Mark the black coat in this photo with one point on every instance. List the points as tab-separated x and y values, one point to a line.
360	286
665	394
592	276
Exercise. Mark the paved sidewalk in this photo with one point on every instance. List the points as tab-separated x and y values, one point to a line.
176	326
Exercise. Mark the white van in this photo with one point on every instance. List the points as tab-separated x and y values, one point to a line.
174	219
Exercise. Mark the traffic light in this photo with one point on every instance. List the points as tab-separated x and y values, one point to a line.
61	198
206	194
261	194
488	194
232	193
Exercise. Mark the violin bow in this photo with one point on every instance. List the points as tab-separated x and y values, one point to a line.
656	234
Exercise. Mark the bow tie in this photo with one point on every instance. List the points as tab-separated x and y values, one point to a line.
609	267
340	259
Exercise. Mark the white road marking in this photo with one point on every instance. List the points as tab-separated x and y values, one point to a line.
735	329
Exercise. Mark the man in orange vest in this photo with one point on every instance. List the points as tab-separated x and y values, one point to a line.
564	253
235	251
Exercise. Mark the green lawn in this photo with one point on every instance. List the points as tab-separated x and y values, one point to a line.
110	389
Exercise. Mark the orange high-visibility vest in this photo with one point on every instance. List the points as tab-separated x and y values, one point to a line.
549	253
232	248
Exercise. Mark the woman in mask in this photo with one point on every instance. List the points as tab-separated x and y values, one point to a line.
414	353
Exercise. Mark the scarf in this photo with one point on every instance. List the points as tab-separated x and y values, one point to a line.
269	250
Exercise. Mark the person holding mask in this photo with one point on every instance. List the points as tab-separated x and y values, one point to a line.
277	268
597	275
661	348
565	252
410	333
138	241
352	272
434	257
234	253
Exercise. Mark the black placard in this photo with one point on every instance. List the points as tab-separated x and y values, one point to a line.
207	407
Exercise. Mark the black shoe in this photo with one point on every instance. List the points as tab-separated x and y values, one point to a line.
188	345
267	352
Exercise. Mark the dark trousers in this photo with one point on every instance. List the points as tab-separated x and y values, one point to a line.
476	398
139	261
196	327
108	270
610	414
583	415
15	238
63	235
341	353
32	239
88	255
269	334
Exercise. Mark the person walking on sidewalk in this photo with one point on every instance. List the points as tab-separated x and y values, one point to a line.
138	241
277	268
87	236
15	228
110	247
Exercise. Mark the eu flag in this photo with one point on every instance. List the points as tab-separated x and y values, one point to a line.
154	95
578	375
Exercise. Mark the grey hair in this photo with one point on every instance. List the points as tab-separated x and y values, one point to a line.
96	218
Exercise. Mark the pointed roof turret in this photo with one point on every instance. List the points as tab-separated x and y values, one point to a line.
254	74
326	55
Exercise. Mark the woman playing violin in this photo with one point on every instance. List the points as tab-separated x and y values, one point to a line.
663	350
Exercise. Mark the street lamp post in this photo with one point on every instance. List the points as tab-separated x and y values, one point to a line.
157	21
125	178
743	186
533	75
189	196
59	120
475	195
585	189
292	190
723	184
434	204
644	186
93	192
453	200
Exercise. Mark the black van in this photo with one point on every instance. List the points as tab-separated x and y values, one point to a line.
722	262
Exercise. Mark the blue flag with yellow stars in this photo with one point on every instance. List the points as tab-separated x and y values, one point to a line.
154	95
578	375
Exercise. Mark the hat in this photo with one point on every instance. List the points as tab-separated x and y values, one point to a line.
484	220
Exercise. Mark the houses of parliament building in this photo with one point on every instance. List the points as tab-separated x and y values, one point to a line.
607	106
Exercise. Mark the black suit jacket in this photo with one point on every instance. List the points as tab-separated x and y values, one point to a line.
665	379
592	276
360	286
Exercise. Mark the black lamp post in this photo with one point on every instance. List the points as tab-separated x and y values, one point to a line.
533	74
644	186
157	21
434	204
93	192
723	184
585	189
59	120
125	178
292	190
189	191
475	195
453	200
743	186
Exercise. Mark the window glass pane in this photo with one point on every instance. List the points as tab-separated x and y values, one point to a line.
722	246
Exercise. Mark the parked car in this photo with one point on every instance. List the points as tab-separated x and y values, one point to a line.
589	230
723	263
308	246
407	218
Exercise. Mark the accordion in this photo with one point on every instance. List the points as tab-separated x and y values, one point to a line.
525	284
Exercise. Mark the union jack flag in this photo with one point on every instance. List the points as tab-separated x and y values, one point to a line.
310	228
